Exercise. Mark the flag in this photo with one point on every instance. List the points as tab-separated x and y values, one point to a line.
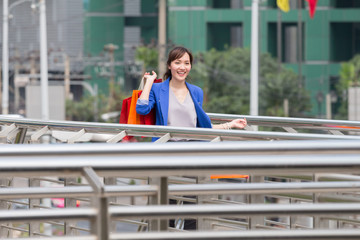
283	5
312	6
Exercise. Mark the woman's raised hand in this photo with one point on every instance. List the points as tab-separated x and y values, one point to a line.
149	77
238	123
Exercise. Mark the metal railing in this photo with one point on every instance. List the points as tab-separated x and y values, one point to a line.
330	166
336	127
30	130
289	124
102	164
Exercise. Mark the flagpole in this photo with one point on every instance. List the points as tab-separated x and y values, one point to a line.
300	43
254	71
5	59
44	63
279	40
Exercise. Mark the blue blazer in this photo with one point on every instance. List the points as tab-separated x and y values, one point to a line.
159	98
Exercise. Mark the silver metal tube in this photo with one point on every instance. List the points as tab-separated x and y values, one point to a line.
254	86
44	62
248	235
101	225
166	211
305	123
163	165
36	215
158	131
260	188
58	238
5	59
185	149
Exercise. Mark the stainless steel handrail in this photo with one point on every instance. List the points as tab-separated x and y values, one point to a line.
254	158
122	130
292	122
50	214
302	123
253	235
185	148
189	189
168	211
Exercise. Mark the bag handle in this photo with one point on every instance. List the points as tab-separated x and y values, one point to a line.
142	84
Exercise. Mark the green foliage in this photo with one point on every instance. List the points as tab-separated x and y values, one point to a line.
148	56
90	108
350	73
276	86
85	109
349	77
225	79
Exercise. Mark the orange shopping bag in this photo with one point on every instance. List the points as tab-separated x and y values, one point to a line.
134	118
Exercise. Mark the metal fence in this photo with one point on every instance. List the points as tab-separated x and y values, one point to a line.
242	188
295	190
17	130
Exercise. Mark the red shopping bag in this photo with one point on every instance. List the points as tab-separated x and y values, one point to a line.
128	114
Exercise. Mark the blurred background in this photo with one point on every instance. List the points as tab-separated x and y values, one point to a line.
98	50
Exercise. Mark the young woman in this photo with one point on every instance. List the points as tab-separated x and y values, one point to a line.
177	102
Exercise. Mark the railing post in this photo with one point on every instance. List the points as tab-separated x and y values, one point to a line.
101	225
34	227
256	221
160	199
203	223
4	205
69	203
111	181
318	222
295	220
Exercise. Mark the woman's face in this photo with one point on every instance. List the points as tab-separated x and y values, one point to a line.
180	68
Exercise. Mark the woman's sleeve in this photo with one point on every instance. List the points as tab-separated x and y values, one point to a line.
143	107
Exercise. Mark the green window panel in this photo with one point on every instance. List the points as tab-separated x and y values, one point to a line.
289	42
346	3
222	35
345	41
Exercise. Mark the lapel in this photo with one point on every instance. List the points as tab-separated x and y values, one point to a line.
191	90
164	100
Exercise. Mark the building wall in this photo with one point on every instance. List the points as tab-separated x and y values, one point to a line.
64	28
331	37
103	24
125	23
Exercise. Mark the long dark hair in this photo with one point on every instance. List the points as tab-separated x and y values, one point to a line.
174	54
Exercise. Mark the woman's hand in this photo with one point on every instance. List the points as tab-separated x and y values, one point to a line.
238	123
148	82
149	77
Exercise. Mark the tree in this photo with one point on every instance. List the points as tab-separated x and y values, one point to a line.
225	78
349	77
90	108
148	56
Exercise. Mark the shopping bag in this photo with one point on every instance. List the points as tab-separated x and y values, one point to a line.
133	117
128	109
128	114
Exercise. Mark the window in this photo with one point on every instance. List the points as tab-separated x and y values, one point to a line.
344	41
236	36
233	4
346	4
225	34
289	42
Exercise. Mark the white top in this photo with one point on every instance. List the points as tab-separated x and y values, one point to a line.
181	114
